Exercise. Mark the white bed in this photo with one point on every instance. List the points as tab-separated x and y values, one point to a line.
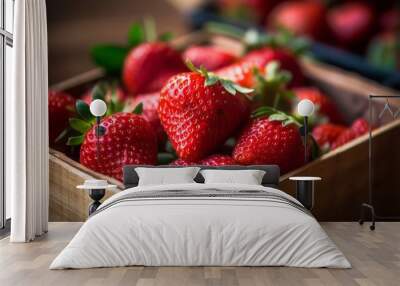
201	224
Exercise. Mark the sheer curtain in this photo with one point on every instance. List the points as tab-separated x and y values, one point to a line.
27	124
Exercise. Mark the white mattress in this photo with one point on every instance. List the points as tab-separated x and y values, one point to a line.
189	231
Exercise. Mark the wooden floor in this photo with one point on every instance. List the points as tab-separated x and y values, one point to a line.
375	257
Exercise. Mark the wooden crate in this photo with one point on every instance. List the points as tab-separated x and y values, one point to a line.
344	171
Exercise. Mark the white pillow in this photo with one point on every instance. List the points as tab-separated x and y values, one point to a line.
248	177
164	176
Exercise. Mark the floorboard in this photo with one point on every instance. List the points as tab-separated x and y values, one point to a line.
375	257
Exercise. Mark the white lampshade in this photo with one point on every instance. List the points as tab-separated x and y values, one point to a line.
98	107
305	107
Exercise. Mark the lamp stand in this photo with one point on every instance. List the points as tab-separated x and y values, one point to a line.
305	138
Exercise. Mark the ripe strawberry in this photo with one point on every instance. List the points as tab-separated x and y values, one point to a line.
61	107
212	160
267	140
351	23
127	139
218	160
111	92
199	111
242	72
301	17
148	66
323	104
150	105
326	134
357	129
181	162
210	57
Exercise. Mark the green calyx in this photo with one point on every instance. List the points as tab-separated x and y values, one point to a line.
271	85
283	38
111	57
275	115
80	125
255	39
211	79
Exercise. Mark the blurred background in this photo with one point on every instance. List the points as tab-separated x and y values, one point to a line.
367	30
75	26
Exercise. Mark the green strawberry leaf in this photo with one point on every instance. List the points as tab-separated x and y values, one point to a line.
135	35
166	37
138	109
79	125
83	110
242	89
211	80
76	140
228	85
99	91
109	57
277	117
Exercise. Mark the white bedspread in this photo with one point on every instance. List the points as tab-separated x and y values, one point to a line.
223	231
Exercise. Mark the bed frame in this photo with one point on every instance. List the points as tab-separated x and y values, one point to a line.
271	177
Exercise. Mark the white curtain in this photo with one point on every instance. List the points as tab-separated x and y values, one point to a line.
27	124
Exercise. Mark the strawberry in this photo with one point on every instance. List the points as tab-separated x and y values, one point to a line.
301	17
323	104
150	105
212	160
181	162
127	139
111	92
272	139
218	160
242	72
326	134
351	23
148	66
61	107
357	129
199	111
210	57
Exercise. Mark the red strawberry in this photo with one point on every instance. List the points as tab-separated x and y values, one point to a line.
199	111
181	162
301	17
218	160
150	105
323	104
128	139
61	108
357	129
351	23
109	94
266	140
210	57
326	134
250	10
241	72
148	66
